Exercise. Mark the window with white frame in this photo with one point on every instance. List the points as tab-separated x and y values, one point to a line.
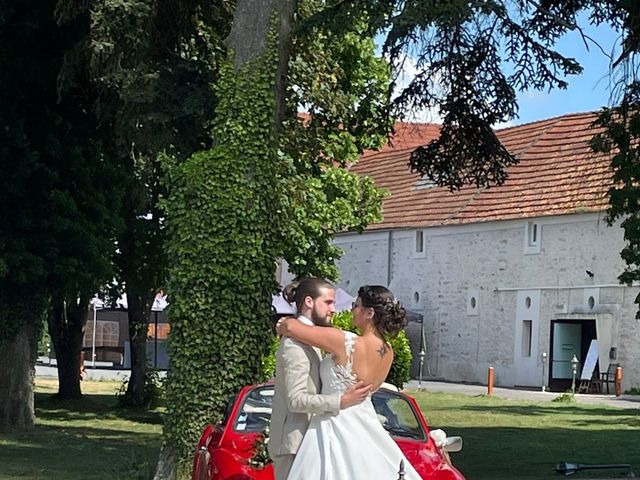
533	234
532	237
419	242
526	338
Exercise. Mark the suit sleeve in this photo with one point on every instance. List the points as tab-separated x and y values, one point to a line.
296	372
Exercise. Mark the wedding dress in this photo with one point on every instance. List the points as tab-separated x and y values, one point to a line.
352	445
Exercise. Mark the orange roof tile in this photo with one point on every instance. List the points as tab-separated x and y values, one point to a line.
557	174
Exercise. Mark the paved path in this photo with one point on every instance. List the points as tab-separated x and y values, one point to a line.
92	373
624	401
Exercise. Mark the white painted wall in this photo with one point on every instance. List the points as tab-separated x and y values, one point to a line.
494	263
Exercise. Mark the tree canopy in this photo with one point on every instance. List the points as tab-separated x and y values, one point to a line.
113	109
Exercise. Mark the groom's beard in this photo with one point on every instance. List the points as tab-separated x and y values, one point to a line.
319	320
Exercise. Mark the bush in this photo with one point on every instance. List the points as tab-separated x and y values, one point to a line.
566	397
154	388
399	373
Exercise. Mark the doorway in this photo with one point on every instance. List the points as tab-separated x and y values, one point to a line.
568	338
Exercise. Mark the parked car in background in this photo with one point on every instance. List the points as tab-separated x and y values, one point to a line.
234	449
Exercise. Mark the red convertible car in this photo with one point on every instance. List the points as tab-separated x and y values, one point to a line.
234	449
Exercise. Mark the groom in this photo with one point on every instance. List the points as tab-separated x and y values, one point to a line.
297	382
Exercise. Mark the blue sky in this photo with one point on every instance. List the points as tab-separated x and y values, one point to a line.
586	92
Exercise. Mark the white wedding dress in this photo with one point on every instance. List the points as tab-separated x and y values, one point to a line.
352	445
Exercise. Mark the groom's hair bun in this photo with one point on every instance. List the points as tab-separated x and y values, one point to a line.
390	317
298	290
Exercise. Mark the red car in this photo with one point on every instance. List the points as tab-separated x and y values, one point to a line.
233	449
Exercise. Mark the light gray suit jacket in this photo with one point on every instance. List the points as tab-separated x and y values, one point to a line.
297	387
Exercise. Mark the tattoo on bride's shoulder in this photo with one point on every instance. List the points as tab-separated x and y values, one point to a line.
382	351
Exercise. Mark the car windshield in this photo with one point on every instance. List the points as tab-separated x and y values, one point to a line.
255	413
397	415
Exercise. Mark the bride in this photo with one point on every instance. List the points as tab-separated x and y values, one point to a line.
353	444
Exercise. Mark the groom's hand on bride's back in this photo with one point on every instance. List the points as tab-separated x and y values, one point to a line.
355	394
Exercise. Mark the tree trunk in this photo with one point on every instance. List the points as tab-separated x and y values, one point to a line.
66	328
139	308
252	23
248	39
17	372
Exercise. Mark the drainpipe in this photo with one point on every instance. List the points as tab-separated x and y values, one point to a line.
389	256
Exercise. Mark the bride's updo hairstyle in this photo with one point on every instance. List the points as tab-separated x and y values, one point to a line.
389	317
297	291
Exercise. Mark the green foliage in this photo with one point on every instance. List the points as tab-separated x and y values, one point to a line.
323	205
44	344
154	391
343	85
619	137
57	185
153	63
567	397
269	360
223	215
261	457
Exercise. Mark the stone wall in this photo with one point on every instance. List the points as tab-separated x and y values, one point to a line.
471	282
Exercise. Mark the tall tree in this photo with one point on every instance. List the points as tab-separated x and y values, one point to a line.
54	215
27	84
267	189
223	210
155	95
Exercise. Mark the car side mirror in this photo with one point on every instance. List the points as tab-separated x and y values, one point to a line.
453	444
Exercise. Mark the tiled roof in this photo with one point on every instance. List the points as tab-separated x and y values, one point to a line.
557	174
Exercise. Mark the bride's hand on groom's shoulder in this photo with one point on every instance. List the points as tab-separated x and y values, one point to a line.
282	325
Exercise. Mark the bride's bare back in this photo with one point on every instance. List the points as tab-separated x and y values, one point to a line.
372	359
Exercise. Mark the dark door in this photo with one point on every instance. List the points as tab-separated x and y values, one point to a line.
568	338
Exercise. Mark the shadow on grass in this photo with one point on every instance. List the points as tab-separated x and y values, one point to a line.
91	407
529	453
583	414
88	439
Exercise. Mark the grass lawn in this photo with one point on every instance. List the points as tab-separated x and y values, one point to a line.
507	439
88	439
91	439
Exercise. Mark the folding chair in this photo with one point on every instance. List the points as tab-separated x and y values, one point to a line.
609	377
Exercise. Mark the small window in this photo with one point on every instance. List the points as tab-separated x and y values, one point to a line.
534	234
532	237
526	338
473	301
419	241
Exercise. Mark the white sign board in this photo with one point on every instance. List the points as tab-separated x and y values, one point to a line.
590	361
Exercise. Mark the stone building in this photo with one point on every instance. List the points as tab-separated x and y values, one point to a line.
519	277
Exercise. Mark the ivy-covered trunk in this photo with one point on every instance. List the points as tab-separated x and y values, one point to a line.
66	328
16	380
223	214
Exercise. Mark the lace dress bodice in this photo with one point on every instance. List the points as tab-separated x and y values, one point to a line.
338	378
